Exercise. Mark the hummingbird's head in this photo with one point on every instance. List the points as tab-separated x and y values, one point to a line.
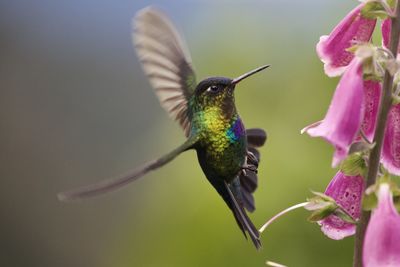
214	92
219	91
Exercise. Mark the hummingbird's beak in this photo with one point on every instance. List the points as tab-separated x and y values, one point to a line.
247	74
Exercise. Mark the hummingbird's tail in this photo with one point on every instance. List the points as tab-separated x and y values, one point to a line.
244	222
116	183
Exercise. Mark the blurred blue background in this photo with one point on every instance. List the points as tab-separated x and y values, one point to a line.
75	108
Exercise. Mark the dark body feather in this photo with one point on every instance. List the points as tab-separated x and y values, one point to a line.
222	152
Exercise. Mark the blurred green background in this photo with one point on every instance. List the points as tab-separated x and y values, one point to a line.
75	108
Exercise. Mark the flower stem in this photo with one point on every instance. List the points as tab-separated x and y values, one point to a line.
375	155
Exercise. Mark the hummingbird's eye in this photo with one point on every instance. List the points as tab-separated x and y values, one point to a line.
213	89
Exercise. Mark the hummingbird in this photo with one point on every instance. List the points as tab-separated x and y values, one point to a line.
206	111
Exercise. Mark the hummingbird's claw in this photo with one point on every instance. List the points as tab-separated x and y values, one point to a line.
252	159
251	168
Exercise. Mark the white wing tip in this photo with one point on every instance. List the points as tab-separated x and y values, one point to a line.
149	10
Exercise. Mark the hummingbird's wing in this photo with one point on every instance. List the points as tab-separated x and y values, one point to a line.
166	61
106	186
248	179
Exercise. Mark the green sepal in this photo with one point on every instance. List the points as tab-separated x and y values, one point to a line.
370	199
395	190
391	3
373	60
386	178
395	100
342	214
324	206
391	65
321	196
396	201
321	205
360	146
368	66
372	77
369	202
370	69
354	165
374	10
352	49
321	214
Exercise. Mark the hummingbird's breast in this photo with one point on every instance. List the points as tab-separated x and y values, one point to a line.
223	143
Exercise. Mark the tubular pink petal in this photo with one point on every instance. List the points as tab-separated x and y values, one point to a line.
342	122
372	93
347	192
382	238
385	29
332	49
312	125
339	155
391	144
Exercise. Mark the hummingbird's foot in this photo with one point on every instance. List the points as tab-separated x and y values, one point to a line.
251	163
252	159
251	168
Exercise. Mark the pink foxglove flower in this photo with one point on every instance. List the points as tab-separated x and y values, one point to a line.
332	49
386	28
391	144
382	239
372	93
347	192
343	120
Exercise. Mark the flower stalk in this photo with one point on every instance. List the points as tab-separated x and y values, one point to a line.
375	155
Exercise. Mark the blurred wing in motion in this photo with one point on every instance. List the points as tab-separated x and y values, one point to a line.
116	183
166	61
